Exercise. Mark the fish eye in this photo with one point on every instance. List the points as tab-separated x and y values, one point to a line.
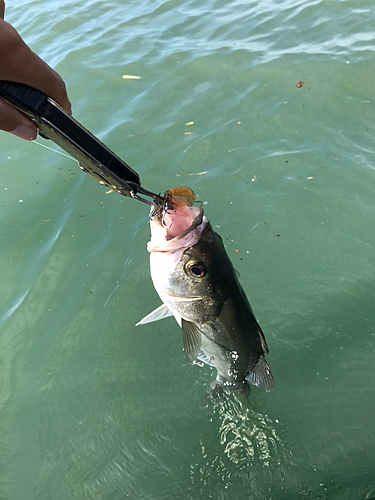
196	269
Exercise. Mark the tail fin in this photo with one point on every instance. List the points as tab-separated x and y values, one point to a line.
261	375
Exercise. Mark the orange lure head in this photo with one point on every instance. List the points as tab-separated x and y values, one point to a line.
180	196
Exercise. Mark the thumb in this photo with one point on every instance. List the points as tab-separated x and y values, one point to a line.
16	123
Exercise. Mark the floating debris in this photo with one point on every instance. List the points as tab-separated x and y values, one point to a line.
131	77
189	123
300	84
197	173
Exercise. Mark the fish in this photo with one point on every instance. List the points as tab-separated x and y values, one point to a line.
198	285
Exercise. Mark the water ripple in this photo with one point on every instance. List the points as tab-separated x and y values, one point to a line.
91	407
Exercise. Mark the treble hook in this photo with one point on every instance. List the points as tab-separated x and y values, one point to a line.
156	211
165	211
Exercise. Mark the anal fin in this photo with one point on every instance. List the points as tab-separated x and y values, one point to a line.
205	359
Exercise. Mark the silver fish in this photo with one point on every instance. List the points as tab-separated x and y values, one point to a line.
198	285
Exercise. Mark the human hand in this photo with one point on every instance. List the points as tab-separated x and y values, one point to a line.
18	63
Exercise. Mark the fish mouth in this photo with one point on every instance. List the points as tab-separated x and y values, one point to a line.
175	224
196	222
172	230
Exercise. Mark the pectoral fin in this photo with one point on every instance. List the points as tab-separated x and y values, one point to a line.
159	313
191	339
261	375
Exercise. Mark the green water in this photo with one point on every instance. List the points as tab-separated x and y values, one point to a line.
92	407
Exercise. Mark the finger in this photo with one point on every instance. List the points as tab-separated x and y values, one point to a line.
16	123
54	86
33	71
2	8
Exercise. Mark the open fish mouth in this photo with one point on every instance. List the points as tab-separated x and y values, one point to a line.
175	225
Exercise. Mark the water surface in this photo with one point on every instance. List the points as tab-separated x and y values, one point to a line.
92	407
